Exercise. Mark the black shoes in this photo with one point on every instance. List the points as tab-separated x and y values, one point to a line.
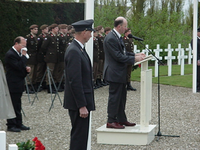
13	129
129	87
18	129
23	127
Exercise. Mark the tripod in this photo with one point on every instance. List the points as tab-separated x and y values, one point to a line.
159	134
50	79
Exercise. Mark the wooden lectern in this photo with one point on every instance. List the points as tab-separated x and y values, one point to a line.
143	133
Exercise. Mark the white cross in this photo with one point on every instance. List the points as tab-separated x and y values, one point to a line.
146	51
179	49
157	54
136	50
169	58
189	49
182	58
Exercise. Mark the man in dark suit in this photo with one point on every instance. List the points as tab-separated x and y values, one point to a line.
115	72
16	71
198	58
79	93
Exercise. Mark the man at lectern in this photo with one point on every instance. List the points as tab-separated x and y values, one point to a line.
115	72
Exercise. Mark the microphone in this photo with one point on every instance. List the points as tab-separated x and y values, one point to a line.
136	38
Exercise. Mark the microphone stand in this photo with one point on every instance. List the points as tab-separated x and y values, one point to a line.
159	62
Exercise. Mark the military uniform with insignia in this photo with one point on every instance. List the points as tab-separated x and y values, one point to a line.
32	46
50	47
129	48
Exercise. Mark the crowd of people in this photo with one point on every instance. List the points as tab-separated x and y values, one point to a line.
47	50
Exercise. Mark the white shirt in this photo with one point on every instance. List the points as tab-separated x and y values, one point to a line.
82	46
119	35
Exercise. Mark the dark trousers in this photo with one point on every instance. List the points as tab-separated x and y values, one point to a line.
79	131
17	105
198	77
129	70
41	68
117	102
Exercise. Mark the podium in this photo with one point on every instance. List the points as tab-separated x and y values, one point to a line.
143	133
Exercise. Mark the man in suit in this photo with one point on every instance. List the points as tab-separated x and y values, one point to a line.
115	72
79	93
17	70
198	58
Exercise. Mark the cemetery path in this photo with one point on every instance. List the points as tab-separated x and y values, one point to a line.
180	115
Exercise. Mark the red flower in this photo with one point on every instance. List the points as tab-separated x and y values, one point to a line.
35	139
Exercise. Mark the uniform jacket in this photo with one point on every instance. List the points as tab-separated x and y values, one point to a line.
78	83
95	50
31	45
116	59
101	50
128	44
41	54
62	46
15	71
198	48
50	47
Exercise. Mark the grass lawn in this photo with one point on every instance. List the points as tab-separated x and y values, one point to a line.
176	79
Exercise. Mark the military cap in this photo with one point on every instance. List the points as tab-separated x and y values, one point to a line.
44	26
53	26
62	26
33	26
198	30
83	25
99	28
107	29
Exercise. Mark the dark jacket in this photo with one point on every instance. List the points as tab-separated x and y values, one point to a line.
116	59
78	83
15	71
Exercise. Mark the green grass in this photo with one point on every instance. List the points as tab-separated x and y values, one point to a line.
176	79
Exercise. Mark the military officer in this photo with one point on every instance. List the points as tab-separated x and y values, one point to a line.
129	48
107	30
95	56
41	66
50	47
32	43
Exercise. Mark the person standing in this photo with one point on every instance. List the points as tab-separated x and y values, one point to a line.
115	72
79	92
50	47
107	30
41	66
32	43
198	58
16	71
129	48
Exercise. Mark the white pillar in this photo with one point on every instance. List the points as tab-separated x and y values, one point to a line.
189	49
12	147
89	14
2	140
195	21
157	54
169	58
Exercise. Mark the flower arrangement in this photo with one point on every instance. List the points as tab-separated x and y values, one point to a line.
35	144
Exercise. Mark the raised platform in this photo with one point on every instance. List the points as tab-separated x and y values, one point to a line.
128	136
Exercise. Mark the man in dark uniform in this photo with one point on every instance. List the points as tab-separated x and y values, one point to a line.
41	66
79	93
50	47
100	38
198	58
129	48
95	56
62	47
32	43
16	71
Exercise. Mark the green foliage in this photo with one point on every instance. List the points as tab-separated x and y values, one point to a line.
29	145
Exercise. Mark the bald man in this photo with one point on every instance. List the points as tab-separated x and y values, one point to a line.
115	72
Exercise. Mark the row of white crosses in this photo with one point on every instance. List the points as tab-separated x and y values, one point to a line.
3	142
181	56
